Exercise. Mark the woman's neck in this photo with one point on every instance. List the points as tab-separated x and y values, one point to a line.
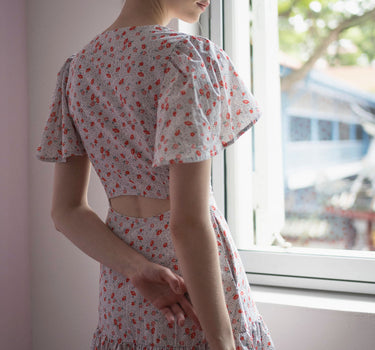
141	12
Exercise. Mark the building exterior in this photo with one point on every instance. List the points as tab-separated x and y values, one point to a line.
328	128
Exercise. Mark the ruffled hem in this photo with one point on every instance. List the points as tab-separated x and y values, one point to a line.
60	138
260	338
103	342
257	338
129	346
204	105
59	159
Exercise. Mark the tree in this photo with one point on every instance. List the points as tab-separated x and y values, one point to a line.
308	28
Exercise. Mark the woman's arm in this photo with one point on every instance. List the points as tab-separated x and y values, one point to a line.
196	247
74	218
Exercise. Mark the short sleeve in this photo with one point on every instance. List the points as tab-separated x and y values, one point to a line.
204	106
60	138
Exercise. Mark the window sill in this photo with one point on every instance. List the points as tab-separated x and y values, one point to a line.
322	270
316	299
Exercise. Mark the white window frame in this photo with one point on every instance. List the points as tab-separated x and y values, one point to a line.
209	29
334	270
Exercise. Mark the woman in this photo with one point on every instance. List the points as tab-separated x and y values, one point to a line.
148	108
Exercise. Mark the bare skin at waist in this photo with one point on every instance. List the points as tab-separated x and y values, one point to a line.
139	206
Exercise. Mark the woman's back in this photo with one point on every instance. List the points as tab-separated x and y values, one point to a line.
143	97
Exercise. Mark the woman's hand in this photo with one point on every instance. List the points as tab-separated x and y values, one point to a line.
166	291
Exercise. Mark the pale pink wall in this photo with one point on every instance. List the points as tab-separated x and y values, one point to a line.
64	284
15	327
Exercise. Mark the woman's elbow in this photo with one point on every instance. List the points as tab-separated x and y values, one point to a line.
54	218
56	215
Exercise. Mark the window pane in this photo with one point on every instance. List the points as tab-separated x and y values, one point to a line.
325	130
328	102
300	129
359	132
344	131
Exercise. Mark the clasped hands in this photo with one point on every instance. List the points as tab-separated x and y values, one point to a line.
166	291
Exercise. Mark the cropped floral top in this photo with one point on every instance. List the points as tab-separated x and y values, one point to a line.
139	98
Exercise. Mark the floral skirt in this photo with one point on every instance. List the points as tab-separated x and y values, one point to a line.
128	321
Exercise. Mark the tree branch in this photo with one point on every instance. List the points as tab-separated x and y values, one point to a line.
286	13
288	81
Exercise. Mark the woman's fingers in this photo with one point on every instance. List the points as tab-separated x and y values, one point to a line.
182	284
179	314
181	305
188	308
185	305
172	279
178	311
167	312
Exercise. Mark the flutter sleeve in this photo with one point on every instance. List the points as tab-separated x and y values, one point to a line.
60	138
204	105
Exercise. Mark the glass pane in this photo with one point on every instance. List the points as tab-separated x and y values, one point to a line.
359	132
325	130
328	118
300	129
344	130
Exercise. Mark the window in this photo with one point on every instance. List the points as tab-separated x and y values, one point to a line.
344	131
325	130
280	184
299	129
359	132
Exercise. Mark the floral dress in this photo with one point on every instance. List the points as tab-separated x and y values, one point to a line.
135	100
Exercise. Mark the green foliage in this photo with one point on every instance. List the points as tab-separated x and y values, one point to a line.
303	24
